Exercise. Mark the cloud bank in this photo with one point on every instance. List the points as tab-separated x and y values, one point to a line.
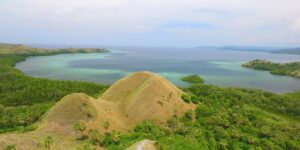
151	22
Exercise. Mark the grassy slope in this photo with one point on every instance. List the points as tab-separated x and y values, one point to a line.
289	69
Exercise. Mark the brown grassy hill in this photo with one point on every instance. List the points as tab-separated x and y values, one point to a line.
146	96
131	100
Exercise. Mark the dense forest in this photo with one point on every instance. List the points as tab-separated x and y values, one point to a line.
225	118
289	69
24	99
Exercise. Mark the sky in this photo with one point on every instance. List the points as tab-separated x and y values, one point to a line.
182	23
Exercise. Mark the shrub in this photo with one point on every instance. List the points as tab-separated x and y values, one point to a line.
79	127
10	147
186	98
95	137
202	111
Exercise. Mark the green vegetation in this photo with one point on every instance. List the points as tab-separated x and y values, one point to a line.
193	79
185	97
95	137
226	118
289	69
10	147
24	99
79	127
106	125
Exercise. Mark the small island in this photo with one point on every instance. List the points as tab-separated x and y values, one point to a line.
194	78
288	69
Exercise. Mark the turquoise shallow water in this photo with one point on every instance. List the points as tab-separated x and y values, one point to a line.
221	68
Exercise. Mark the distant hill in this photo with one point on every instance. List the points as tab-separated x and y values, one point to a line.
246	48
240	48
295	51
27	50
276	50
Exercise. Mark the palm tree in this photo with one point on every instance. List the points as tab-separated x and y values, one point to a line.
79	126
106	125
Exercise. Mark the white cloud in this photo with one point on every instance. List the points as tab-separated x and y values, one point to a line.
232	19
296	25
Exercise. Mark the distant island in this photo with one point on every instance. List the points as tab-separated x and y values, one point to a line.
275	50
13	49
295	51
289	69
241	48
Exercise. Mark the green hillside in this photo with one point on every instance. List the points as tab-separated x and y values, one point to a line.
24	99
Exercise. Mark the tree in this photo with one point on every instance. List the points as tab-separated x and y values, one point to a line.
106	125
79	126
185	97
116	136
48	142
